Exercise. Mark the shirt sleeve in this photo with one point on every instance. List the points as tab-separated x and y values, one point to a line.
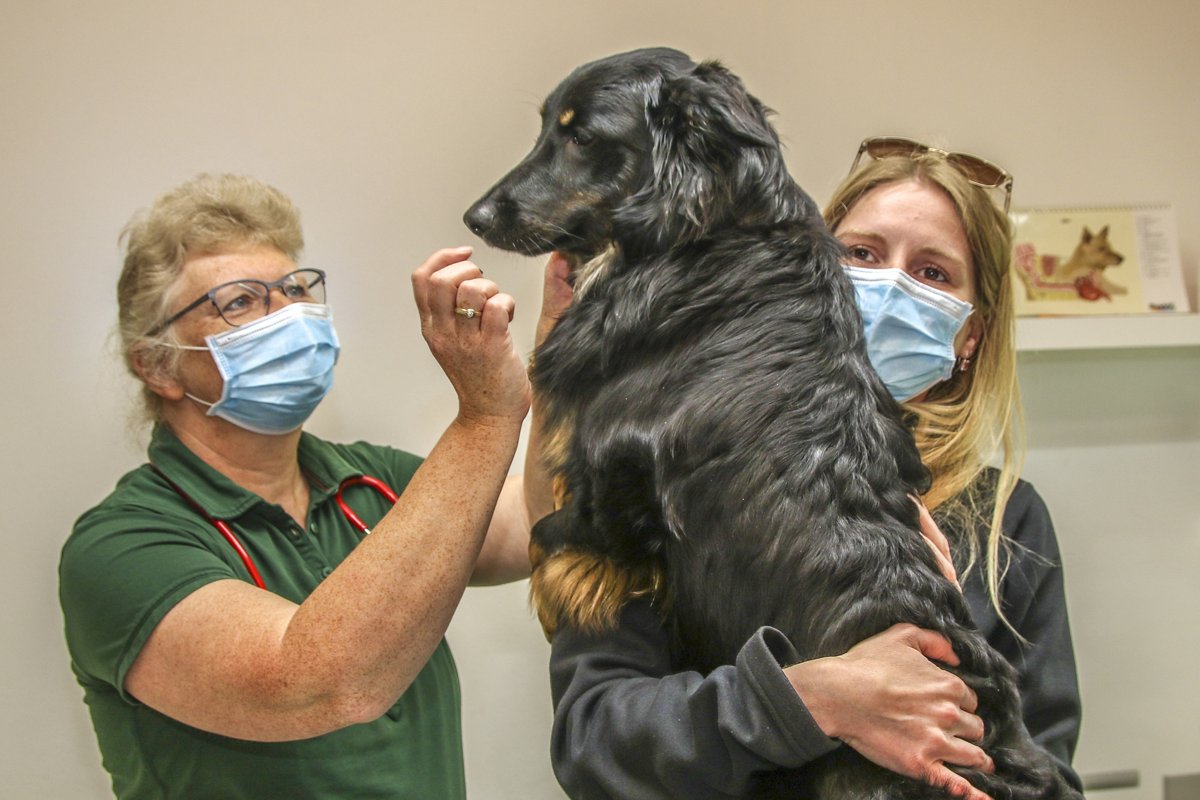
627	726
1034	600
120	572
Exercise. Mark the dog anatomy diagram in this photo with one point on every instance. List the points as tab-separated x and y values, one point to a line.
1096	261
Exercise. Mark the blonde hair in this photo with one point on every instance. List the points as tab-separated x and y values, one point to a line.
207	214
962	422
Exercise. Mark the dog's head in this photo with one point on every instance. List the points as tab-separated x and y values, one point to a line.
1095	250
644	150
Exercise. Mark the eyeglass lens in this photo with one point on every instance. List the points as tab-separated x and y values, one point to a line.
889	148
239	302
978	170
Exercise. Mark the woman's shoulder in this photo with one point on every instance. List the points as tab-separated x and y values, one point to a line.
1027	519
1024	494
138	491
1027	524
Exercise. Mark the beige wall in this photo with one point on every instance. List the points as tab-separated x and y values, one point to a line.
385	119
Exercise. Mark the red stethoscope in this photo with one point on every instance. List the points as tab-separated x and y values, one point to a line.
223	527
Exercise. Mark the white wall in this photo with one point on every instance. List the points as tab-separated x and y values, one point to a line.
384	120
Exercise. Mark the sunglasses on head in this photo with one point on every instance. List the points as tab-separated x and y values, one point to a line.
975	169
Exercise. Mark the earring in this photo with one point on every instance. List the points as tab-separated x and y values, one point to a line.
962	364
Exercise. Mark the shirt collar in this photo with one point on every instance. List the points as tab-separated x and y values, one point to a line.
219	496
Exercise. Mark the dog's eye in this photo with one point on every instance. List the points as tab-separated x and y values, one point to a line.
581	138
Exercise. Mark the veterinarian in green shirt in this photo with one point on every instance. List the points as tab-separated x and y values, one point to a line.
235	631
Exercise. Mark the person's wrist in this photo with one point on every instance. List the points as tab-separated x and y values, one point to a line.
481	422
815	682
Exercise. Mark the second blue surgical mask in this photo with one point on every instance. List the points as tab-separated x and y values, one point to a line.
909	327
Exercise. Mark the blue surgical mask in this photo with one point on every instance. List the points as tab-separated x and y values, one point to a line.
277	369
909	327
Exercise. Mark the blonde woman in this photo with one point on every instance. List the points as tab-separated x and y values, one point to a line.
920	226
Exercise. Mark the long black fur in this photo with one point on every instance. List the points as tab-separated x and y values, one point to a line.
726	425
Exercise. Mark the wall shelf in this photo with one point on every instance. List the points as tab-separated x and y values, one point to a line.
1095	333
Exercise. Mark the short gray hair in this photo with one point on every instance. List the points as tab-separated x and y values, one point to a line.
209	213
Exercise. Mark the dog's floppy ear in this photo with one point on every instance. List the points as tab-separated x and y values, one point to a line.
715	160
705	113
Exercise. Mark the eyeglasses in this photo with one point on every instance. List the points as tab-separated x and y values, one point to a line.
246	300
973	168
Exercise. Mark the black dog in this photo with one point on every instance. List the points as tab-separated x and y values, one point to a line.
724	444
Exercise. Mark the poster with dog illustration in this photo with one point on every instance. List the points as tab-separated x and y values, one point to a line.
1097	261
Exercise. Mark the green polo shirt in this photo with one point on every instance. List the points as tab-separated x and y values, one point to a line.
130	559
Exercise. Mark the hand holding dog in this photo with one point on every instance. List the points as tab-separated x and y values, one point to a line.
887	700
556	295
476	352
938	543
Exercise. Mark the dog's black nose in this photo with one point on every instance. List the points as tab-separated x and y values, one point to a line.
480	217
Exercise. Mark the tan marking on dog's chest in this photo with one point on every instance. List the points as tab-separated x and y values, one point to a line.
557	436
589	272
